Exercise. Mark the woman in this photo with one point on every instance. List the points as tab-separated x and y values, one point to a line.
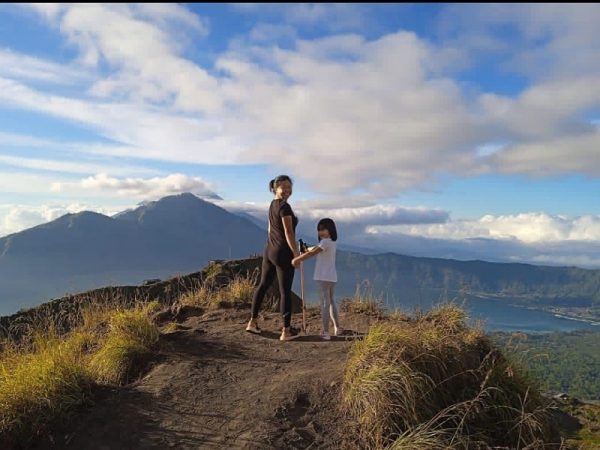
279	251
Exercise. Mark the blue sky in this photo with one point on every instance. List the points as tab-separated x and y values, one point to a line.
453	130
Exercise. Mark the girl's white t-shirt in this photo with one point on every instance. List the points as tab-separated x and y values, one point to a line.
325	264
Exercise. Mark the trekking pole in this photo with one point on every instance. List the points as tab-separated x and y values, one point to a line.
302	250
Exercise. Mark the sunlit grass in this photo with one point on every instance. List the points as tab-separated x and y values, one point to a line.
236	294
46	375
131	338
42	384
364	302
435	383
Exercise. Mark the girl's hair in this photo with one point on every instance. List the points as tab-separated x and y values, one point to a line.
329	225
278	180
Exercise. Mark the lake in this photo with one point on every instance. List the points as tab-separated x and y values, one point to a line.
498	316
495	315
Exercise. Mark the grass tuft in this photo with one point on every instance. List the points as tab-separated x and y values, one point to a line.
130	340
364	302
47	374
236	294
436	383
43	384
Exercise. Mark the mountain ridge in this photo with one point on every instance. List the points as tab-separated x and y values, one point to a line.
181	233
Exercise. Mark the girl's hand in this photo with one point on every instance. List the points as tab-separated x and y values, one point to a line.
295	262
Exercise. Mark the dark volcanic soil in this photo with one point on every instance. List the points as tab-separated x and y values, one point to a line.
212	385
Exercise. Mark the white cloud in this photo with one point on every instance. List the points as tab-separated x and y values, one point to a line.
352	114
15	218
146	132
257	209
578	154
554	49
24	140
337	111
542	41
378	215
21	182
163	14
563	253
527	227
536	238
267	32
21	66
334	16
351	220
146	188
67	166
548	110
591	260
145	53
363	215
348	114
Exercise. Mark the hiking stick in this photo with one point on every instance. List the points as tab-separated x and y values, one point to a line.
302	248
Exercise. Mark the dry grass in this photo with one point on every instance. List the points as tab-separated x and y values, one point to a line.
240	290
47	374
364	302
423	438
199	297
43	384
130	340
398	316
236	294
435	383
170	327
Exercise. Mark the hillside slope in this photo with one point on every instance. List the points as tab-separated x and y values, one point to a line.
391	381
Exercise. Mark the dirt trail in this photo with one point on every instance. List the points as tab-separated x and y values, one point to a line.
215	386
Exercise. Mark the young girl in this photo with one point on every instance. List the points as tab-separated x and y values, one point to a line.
325	274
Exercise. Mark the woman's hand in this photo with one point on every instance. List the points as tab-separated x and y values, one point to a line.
290	236
296	261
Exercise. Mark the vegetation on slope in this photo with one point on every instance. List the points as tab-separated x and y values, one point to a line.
435	383
563	362
46	376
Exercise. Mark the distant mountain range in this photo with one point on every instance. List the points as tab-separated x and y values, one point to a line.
181	233
524	284
177	234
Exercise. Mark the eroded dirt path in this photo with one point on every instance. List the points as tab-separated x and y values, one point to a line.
215	386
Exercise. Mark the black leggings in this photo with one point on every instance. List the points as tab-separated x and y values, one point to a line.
285	276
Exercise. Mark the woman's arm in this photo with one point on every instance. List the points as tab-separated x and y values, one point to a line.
290	236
